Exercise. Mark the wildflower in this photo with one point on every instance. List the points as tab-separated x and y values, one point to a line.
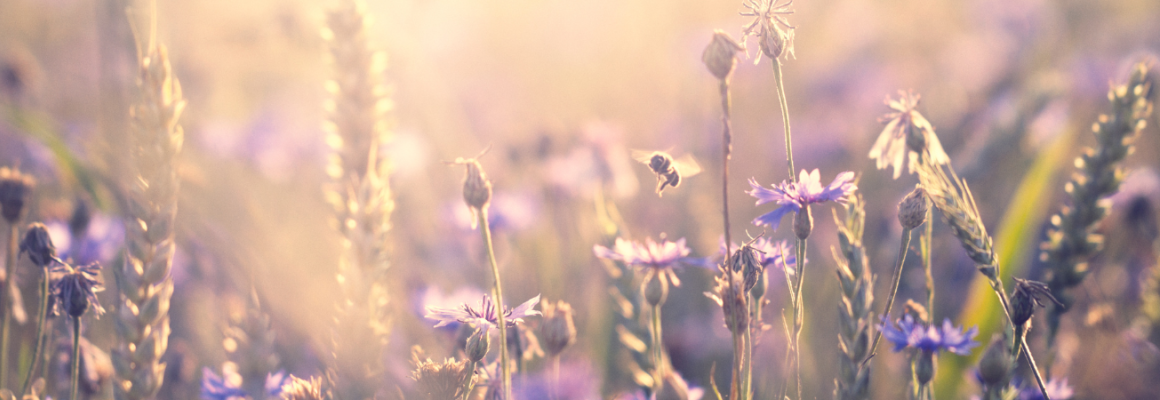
14	190
216	387
906	333
906	133
912	209
37	243
657	259
720	56
476	346
76	288
796	197
558	328
484	315
774	33
439	380
1028	294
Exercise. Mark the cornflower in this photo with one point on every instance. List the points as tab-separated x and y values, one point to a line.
907	135
483	316
796	197
906	333
773	31
656	259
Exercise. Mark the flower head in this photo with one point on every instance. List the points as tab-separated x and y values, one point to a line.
773	31
76	288
906	333
217	387
907	132
14	190
793	197
655	258
1028	294
483	315
37	243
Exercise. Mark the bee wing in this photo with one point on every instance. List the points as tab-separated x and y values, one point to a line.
643	156
687	166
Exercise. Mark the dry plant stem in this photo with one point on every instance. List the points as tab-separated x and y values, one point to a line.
747	366
505	372
41	317
925	246
784	118
5	299
903	248
727	150
1034	368
76	357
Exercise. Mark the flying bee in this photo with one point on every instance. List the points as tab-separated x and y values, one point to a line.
669	170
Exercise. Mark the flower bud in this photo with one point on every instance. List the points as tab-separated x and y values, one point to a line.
558	328
656	290
924	367
14	191
745	262
995	364
477	343
773	42
38	245
720	55
1027	295
803	223
758	290
476	186
913	208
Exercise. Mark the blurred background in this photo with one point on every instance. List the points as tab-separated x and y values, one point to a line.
561	92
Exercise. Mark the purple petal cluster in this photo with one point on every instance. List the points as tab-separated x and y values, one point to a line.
655	257
483	315
906	333
792	197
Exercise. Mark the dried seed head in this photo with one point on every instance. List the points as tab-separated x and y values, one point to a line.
745	262
558	328
720	55
1028	294
438	380
803	223
14	190
476	186
477	344
729	295
995	364
301	389
38	245
913	208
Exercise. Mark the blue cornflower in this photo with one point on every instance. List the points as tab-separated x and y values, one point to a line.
655	258
907	333
215	387
483	316
793	197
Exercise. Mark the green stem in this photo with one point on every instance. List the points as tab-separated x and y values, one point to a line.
76	358
467	384
924	245
727	149
505	372
784	118
902	250
747	365
800	315
6	300
658	343
41	318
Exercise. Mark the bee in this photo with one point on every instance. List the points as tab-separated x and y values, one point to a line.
669	170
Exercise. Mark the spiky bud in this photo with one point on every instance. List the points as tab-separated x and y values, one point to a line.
14	191
720	56
1028	294
995	364
913	208
558	328
803	223
477	344
38	245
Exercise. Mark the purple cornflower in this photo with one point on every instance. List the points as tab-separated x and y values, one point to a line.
657	259
483	316
907	333
215	387
793	197
76	289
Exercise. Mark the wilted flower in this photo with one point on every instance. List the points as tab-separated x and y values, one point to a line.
794	197
37	243
774	33
76	288
907	132
1028	294
906	333
219	387
484	315
657	259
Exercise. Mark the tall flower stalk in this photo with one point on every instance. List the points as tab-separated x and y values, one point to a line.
37	244
1072	238
143	280
361	196
15	188
912	212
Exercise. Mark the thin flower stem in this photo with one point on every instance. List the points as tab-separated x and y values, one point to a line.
747	366
1034	368
925	246
727	150
555	377
467	384
800	315
41	317
738	365
76	358
658	343
6	300
784	118
505	372
902	250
